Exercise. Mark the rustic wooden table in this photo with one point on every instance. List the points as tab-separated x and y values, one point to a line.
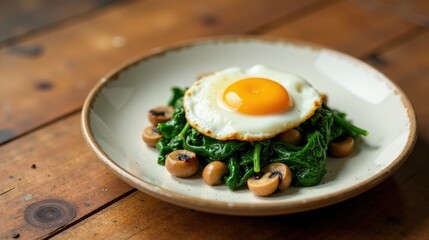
51	57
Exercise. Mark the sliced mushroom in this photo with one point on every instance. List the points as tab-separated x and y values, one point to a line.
291	136
284	173
342	148
324	98
160	114
265	185
182	163
151	136
213	173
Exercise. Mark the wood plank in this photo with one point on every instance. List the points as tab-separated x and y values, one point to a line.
347	27
78	54
64	168
125	221
18	17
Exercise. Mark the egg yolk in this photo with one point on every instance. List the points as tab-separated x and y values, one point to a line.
257	96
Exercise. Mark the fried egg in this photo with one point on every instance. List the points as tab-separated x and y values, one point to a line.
249	104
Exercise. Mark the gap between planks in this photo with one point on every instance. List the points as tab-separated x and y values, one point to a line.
42	126
90	214
395	42
317	6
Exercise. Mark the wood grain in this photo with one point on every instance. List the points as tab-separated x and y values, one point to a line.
415	11
80	53
64	168
347	27
19	17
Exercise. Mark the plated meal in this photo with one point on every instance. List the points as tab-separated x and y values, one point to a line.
267	131
257	126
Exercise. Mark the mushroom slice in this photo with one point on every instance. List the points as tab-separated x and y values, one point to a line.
324	98
265	185
182	163
151	136
213	173
342	148
283	171
160	114
291	136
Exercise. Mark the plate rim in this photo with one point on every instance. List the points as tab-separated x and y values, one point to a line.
242	209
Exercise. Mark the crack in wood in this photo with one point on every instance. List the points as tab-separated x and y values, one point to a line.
410	177
88	215
396	10
1	194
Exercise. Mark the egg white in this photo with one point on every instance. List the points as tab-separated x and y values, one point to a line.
206	112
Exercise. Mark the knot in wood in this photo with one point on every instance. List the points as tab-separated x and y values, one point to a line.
49	213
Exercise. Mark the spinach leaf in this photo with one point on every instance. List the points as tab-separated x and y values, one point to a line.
172	128
256	157
166	146
340	120
308	164
177	94
260	152
331	123
234	177
246	176
212	148
246	158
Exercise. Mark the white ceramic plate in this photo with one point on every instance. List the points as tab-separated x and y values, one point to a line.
114	116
